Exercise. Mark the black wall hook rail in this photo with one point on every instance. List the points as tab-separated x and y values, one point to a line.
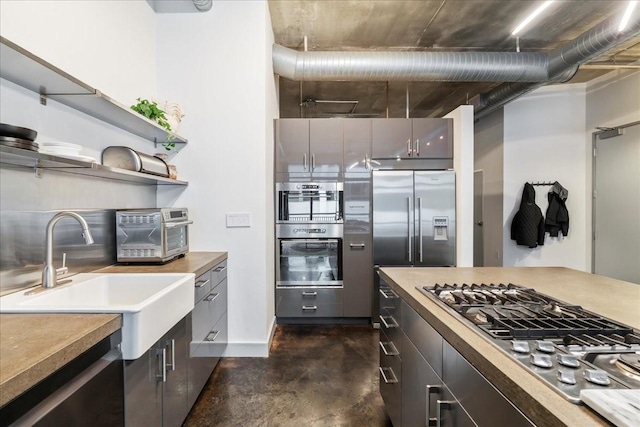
542	183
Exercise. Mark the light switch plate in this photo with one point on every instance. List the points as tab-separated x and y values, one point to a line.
238	219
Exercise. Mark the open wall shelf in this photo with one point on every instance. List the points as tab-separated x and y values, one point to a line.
31	72
30	159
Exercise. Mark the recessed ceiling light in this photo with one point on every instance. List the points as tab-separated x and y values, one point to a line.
627	15
531	17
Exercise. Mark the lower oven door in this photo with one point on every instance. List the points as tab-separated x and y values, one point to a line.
309	262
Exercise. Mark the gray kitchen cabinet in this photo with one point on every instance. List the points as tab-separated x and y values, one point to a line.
357	145
391	354
309	302
357	246
304	146
438	386
207	328
155	384
429	138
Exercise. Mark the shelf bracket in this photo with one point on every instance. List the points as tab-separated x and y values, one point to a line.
37	170
43	95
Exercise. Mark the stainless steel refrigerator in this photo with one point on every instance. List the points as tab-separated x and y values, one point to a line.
414	218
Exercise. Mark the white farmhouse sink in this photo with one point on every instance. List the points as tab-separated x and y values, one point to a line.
150	304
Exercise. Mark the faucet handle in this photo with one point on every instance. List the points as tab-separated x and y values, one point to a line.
63	269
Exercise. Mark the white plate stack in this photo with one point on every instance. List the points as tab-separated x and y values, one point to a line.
64	149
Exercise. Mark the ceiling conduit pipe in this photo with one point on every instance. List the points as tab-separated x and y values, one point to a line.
563	62
520	72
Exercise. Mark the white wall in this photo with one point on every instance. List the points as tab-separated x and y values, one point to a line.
218	66
463	165
544	140
107	44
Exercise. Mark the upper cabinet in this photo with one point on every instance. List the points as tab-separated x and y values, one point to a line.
308	146
412	138
29	71
357	145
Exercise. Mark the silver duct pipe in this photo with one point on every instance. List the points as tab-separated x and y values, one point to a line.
410	66
564	61
522	71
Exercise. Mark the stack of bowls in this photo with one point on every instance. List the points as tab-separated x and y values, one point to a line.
18	137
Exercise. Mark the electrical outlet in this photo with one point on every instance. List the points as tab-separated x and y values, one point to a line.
238	219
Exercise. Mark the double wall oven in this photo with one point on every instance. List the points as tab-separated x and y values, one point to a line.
309	231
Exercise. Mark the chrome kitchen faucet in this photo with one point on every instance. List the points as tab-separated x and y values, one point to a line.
50	273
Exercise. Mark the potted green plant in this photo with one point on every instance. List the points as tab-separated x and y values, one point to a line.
151	111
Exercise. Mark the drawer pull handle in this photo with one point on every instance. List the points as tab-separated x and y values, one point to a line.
161	354
309	294
439	409
219	269
393	350
211	297
309	308
430	390
392	324
202	283
172	366
388	294
392	380
212	338
356	245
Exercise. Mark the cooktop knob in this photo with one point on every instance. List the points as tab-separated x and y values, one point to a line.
541	360
568	360
567	377
597	376
520	346
545	346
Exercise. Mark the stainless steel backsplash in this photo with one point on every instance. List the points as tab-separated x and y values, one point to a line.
22	245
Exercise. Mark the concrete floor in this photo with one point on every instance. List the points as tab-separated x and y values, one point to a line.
315	376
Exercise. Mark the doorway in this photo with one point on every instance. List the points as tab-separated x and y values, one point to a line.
616	202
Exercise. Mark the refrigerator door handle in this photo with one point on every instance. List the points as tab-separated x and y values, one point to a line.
410	234
420	228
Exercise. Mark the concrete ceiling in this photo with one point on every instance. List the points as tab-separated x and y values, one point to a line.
437	26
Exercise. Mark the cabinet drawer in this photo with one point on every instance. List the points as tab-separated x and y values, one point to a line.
203	286
218	273
466	384
391	386
207	312
426	339
309	302
214	342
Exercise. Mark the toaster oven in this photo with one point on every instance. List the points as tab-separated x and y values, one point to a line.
151	235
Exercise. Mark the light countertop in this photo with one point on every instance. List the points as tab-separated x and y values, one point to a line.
608	297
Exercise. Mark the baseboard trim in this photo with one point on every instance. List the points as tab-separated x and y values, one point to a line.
251	349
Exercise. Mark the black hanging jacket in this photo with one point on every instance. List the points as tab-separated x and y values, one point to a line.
527	227
557	218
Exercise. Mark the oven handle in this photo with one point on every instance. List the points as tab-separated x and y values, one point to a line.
177	224
309	240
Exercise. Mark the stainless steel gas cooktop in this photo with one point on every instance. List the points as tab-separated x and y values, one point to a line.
568	347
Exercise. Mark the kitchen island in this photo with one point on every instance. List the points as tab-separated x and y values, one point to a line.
611	298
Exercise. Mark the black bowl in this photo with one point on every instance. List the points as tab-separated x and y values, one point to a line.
17	132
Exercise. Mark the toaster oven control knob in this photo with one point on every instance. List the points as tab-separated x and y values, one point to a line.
545	346
568	360
567	377
541	360
597	376
520	347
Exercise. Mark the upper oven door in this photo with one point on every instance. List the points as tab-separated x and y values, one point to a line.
309	262
309	202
